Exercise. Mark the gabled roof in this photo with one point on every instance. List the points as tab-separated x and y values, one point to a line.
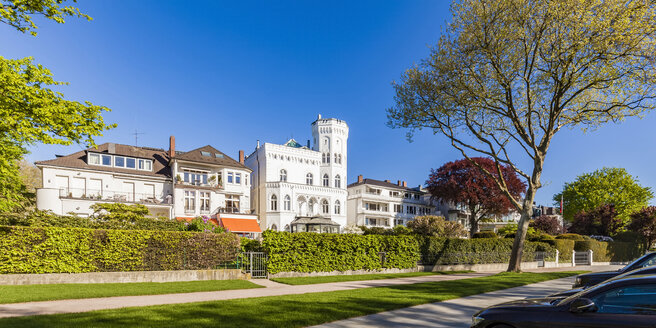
294	144
209	155
78	160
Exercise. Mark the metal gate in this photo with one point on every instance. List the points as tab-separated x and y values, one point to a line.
582	258
539	257
253	263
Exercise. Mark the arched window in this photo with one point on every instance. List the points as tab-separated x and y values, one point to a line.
311	206
274	227
326	180
325	208
340	158
336	159
338	207
283	175
274	203
287	203
308	179
338	181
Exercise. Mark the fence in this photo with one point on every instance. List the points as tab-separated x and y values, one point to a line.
582	258
254	263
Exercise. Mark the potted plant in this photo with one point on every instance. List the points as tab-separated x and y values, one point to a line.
178	178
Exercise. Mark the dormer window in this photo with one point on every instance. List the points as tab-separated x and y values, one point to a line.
119	161
205	153
94	159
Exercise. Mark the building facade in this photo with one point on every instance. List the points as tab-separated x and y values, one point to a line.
182	185
376	203
302	187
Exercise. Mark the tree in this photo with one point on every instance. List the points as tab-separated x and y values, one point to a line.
605	186
463	182
30	110
644	223
431	225
548	224
507	75
601	221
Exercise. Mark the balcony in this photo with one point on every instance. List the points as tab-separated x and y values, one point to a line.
114	196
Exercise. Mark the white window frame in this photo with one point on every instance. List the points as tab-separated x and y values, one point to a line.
205	206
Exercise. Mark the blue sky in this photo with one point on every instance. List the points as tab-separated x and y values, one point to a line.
230	73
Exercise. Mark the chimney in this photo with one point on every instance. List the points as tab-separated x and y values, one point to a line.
319	117
111	148
360	178
398	182
241	156
258	144
171	146
387	181
405	184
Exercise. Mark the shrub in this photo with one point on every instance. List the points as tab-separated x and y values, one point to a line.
312	252
602	220
485	234
548	224
599	249
251	245
472	251
73	250
436	226
202	224
570	236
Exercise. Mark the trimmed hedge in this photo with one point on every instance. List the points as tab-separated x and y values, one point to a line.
437	250
312	252
570	236
485	234
75	250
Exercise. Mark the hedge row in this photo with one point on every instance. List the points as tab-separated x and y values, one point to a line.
312	252
74	250
615	251
436	250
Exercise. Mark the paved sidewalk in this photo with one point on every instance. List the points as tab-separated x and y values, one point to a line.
452	313
273	289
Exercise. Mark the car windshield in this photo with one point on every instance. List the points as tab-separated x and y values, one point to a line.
643	261
583	292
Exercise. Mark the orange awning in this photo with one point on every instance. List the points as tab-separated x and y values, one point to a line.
240	225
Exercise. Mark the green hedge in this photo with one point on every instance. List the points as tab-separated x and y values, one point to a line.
312	252
73	250
485	234
436	250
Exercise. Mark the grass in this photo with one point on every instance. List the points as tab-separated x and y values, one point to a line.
358	277
31	293
286	311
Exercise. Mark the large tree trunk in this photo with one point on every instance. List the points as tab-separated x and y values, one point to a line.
515	263
473	221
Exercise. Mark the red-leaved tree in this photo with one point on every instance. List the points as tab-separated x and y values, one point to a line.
548	224
602	221
644	223
462	182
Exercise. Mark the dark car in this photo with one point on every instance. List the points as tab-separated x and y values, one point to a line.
591	279
643	271
627	302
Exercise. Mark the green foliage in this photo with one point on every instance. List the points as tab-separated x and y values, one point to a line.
202	224
250	245
437	250
485	234
604	186
16	13
436	226
311	252
72	250
396	231
570	236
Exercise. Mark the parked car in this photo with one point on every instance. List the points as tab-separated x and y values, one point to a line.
601	238
591	279
627	302
642	271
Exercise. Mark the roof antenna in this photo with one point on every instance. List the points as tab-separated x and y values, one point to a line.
136	137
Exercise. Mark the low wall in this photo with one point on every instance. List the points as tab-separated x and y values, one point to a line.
339	273
487	267
121	277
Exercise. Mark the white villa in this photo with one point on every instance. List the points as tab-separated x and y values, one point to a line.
376	203
299	187
181	185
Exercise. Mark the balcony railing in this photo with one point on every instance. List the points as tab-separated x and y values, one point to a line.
114	196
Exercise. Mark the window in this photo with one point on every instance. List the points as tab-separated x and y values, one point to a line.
311	206
375	207
325	207
283	175
238	178
106	160
326	180
94	159
416	196
195	177
411	210
636	299
130	163
398	208
308	179
274	203
205	153
148	165
230	177
288	203
232	203
339	157
204	202
338	207
119	161
338	181
190	201
336	159
399	222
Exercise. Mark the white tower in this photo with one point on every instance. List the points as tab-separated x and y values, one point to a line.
330	137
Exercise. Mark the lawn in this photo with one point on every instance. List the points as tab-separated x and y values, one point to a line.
358	277
30	293
286	311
